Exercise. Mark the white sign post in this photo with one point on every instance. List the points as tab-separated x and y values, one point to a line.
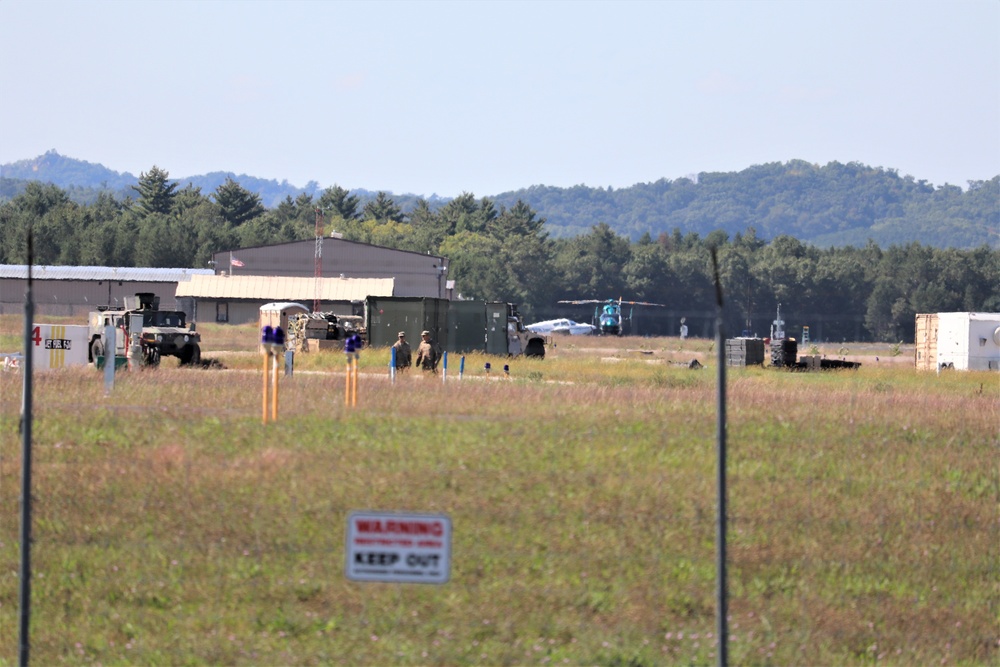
109	359
398	548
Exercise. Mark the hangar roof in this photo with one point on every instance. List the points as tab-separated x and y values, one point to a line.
281	288
131	274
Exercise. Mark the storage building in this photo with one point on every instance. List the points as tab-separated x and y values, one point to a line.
237	299
74	291
414	273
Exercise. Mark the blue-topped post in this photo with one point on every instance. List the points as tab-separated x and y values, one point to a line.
266	342
349	355
276	349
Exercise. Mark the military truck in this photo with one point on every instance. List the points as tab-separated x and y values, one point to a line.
156	332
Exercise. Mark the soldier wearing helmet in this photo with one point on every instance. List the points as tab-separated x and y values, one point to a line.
428	353
404	356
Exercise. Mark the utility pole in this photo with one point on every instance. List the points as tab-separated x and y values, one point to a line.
24	593
318	271
721	577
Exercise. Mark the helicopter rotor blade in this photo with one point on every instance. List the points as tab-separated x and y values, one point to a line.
645	303
619	301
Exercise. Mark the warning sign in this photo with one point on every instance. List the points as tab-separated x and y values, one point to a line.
58	345
400	548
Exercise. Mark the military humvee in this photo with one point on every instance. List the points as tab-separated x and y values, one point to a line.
156	332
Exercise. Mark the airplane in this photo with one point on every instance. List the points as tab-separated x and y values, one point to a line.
561	326
608	317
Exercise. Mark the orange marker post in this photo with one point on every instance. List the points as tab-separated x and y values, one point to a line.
347	384
274	388
272	343
267	386
351	345
354	392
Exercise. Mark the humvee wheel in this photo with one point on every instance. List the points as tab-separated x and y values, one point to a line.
535	348
151	356
191	354
96	350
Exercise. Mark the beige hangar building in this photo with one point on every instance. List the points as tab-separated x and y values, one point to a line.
238	281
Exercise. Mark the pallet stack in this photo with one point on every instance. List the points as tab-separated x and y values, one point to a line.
744	352
784	352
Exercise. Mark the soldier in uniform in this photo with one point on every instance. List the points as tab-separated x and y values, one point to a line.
428	353
403	355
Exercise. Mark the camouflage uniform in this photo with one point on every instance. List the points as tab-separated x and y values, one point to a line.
403	355
429	353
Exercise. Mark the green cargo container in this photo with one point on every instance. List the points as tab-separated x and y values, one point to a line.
458	326
385	317
496	328
466	326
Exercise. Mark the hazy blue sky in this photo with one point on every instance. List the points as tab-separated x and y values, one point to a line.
486	97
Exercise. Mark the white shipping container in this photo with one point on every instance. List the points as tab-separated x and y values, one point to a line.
969	341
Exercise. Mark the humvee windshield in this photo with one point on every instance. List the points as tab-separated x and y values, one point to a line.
157	318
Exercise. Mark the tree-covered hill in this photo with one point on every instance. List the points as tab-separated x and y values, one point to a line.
79	176
84	180
833	205
827	206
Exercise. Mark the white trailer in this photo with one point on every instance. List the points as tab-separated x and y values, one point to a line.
963	341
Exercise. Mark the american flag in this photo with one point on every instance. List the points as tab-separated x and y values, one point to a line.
234	262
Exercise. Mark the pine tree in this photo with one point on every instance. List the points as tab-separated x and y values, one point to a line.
383	208
156	192
237	204
338	201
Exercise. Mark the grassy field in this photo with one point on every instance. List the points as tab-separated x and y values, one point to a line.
172	528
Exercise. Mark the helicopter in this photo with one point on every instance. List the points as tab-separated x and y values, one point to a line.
609	318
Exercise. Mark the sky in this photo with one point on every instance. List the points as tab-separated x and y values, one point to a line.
441	98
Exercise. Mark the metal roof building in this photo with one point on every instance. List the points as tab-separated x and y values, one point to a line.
237	299
415	274
73	291
282	272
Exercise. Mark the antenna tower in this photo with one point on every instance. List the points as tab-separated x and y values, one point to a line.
318	272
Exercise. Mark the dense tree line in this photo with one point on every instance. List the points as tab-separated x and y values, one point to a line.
504	252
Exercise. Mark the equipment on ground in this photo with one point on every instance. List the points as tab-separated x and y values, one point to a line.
310	332
784	350
141	323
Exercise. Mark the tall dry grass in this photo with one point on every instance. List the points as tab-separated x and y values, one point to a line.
171	527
